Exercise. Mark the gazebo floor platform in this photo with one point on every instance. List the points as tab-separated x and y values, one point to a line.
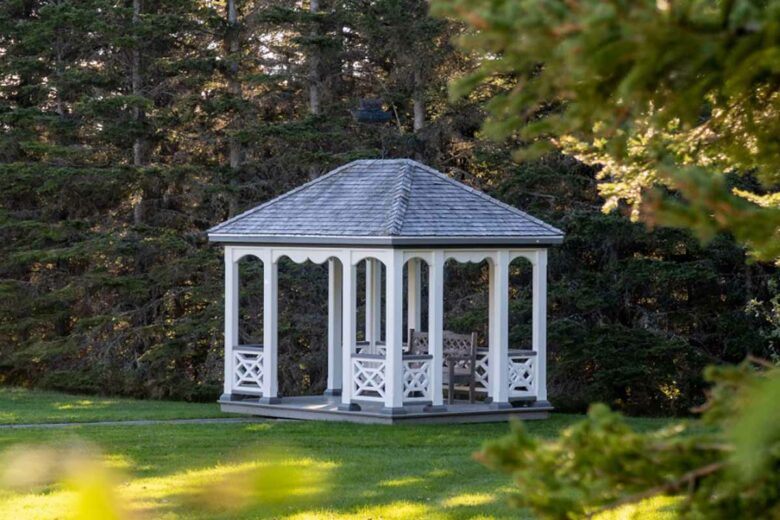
325	408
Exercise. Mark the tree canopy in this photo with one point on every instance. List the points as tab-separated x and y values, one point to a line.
664	96
127	130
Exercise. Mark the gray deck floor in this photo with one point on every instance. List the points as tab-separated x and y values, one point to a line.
325	408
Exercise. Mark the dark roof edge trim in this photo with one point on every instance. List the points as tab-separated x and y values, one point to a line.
360	241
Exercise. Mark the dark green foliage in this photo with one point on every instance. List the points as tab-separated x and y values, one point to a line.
727	468
107	282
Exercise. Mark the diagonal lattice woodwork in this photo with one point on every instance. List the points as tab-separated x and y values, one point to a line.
368	378
481	372
248	371
417	380
522	381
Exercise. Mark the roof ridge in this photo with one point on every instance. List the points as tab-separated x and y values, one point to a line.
484	196
283	196
403	188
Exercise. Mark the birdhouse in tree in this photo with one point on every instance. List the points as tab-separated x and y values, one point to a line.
370	111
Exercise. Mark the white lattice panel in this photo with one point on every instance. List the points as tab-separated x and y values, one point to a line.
417	380
481	370
522	382
368	379
248	371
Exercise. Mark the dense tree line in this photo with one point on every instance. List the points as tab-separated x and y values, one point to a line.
128	128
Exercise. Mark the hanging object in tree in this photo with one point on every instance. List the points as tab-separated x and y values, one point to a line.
370	111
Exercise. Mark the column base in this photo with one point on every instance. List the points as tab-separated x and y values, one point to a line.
332	392
544	402
430	408
349	407
269	400
393	410
501	406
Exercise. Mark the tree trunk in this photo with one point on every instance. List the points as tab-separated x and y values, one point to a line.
418	101
233	46
314	64
136	80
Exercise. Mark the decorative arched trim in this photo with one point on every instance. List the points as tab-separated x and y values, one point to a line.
424	256
239	254
471	257
358	255
300	256
530	255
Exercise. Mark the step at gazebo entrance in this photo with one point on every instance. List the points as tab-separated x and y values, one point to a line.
391	214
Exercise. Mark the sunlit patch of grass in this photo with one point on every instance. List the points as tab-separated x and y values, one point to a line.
469	499
35	506
393	510
655	508
84	404
404	481
117	462
190	488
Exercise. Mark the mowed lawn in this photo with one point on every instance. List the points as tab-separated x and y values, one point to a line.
363	471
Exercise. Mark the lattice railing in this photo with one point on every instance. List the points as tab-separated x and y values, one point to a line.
522	373
368	377
417	378
481	371
248	369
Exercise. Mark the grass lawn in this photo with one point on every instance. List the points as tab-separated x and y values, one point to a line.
369	471
19	406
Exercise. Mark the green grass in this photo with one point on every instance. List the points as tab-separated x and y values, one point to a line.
369	471
19	406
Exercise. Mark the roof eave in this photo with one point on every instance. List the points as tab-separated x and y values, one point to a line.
386	241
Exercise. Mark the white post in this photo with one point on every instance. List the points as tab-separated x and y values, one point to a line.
373	302
436	327
270	345
348	332
414	295
376	326
394	384
498	363
231	317
335	302
370	290
491	323
539	327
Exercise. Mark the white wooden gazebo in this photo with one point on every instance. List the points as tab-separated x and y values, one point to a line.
389	214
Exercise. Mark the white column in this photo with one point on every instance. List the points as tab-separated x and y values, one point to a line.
377	301
491	322
414	294
498	362
436	326
349	313
231	316
270	345
539	327
373	301
370	290
394	335
335	302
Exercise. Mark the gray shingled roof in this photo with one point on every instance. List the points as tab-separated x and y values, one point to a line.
385	202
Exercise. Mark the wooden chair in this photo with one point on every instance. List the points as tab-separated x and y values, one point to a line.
460	359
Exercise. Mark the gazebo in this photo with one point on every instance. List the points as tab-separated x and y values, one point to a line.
382	216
